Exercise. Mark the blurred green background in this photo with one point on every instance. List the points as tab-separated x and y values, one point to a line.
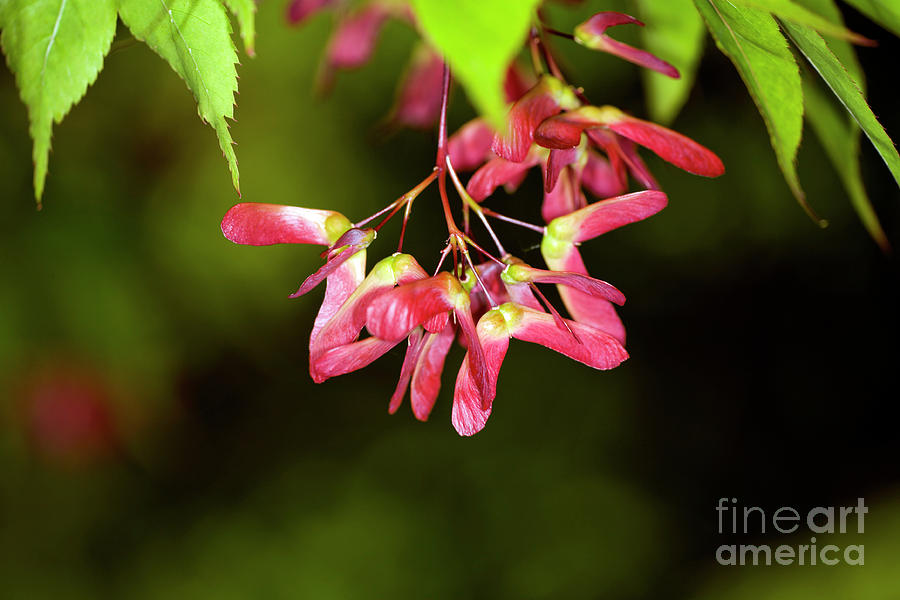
764	359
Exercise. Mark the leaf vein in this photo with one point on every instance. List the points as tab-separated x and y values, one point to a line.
190	51
62	7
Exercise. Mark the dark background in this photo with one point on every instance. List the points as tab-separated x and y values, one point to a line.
209	465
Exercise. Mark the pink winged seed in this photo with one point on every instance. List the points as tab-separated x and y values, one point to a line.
564	131
589	346
557	160
672	147
578	281
592	33
565	197
468	416
623	158
258	224
517	82
472	407
585	308
338	287
600	177
300	10
426	379
394	314
418	102
414	347
600	217
627	150
354	39
351	357
540	102
349	319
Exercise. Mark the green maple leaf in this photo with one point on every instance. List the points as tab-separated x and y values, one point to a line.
840	139
55	48
753	41
842	49
478	40
846	89
194	37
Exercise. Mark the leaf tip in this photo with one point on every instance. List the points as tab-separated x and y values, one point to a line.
40	176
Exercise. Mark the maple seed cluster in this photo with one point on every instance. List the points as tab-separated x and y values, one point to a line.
485	298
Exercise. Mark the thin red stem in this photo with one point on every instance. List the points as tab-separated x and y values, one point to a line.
442	124
465	210
403	228
557	32
478	277
390	216
485	252
378	214
524	224
533	45
560	321
444	254
440	168
469	202
395	206
548	56
404	200
452	229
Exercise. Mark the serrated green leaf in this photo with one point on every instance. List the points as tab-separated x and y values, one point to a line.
245	13
835	75
840	138
55	48
787	10
754	43
843	49
674	32
478	40
837	131
194	37
885	13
